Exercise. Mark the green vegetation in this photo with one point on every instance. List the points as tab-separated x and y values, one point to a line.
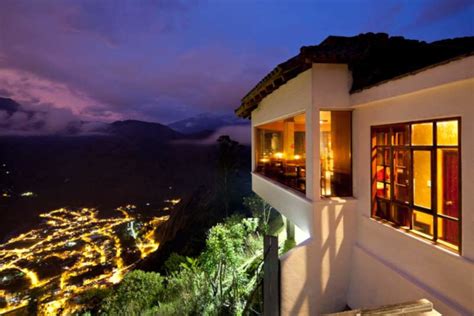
222	280
228	163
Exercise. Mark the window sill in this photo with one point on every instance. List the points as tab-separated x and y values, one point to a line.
413	236
282	186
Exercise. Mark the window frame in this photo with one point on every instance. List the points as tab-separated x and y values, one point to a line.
255	141
351	147
433	149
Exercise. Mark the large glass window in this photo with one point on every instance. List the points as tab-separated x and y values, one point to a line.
416	179
335	153
281	151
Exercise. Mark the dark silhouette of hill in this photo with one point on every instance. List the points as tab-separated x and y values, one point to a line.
125	162
138	130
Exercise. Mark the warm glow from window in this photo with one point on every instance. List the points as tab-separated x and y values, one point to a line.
423	223
422	178
335	153
447	133
416	183
281	151
422	134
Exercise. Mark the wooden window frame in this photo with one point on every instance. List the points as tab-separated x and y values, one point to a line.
433	149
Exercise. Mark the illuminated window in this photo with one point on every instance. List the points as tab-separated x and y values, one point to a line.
335	154
281	152
415	178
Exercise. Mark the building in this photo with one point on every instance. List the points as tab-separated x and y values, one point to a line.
366	144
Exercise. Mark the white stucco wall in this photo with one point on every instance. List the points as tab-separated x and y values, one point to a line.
291	204
315	275
384	254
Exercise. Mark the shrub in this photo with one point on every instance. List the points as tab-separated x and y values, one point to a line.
137	292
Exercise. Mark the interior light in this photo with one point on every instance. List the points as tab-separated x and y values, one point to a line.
279	155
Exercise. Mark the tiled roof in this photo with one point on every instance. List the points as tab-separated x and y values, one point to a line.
372	59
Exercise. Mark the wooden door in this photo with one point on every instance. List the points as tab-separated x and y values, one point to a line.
450	194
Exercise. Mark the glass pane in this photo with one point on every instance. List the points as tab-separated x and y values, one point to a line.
448	182
380	176
380	157
448	231
280	151
422	134
387	174
300	142
383	190
401	175
422	178
401	193
335	149
383	174
386	157
400	135
401	215
447	133
382	209
422	223
382	136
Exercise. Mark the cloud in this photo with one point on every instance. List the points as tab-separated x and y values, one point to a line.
240	133
48	121
136	60
38	94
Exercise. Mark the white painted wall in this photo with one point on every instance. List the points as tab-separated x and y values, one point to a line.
315	274
293	205
389	265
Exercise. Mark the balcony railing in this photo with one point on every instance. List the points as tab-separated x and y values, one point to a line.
291	173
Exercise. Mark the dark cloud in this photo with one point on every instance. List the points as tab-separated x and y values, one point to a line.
49	121
167	60
109	60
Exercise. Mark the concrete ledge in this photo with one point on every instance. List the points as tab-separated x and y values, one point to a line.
420	307
293	205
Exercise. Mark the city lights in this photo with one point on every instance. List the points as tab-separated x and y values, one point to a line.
72	251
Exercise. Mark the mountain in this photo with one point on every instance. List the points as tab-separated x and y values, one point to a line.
132	129
206	122
8	105
118	163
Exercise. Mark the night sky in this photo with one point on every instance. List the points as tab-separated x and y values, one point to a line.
167	60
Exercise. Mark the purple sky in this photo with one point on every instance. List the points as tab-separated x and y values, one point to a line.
168	60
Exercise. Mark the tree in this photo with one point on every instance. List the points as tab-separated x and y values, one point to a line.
260	209
228	167
228	260
220	281
139	291
173	263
